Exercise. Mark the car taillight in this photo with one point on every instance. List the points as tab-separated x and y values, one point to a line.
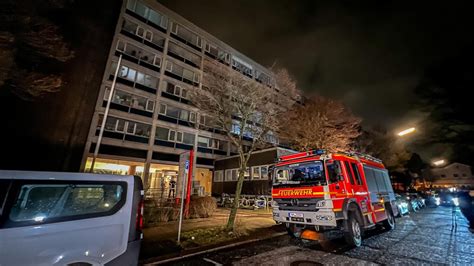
140	215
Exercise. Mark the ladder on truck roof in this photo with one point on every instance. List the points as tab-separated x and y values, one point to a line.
364	156
300	155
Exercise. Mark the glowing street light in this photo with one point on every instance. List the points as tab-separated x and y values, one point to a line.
439	162
406	131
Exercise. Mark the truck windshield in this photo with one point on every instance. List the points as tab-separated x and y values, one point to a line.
300	174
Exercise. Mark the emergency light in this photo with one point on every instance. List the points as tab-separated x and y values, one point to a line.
319	152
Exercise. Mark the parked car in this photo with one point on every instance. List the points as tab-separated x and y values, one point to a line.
413	202
431	199
446	199
420	200
466	205
52	218
402	205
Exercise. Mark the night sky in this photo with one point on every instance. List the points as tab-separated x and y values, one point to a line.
370	54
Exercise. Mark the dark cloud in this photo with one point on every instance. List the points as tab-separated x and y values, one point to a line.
370	54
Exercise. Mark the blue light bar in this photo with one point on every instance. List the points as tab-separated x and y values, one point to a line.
319	152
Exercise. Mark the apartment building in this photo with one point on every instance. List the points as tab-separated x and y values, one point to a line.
151	121
452	175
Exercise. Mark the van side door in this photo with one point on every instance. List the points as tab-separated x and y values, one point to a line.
65	221
337	186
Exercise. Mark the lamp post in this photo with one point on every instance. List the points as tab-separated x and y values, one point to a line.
439	162
106	113
406	132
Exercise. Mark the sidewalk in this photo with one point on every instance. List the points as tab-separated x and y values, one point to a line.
161	240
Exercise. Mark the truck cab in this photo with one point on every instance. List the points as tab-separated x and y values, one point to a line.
316	191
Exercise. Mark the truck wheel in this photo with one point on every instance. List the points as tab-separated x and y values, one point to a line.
389	223
293	230
353	233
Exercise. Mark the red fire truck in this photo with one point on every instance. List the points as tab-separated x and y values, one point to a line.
316	191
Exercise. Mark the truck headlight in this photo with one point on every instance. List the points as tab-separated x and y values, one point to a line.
320	204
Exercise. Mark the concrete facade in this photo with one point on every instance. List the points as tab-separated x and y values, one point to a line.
151	121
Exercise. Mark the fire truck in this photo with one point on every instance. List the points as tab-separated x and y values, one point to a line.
316	191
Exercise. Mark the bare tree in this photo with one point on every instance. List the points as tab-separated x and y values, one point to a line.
320	123
31	46
245	110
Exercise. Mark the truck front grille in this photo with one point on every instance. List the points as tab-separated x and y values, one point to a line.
299	204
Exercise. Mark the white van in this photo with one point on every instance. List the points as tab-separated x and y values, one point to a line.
53	218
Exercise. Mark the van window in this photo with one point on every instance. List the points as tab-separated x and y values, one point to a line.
355	169
4	186
36	203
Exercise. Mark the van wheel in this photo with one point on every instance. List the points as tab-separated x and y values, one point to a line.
353	232
389	223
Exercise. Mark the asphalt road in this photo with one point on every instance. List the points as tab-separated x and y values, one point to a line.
431	236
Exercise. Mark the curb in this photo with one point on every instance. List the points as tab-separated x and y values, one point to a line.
213	249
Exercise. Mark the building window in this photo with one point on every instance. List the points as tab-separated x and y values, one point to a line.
455	175
174	136
175	89
188	37
210	143
147	13
219	176
177	113
247	174
162	133
188	138
130	100
256	172
241	66
235	174
180	53
138	53
130	28
125	126
263	172
135	76
181	73
228	175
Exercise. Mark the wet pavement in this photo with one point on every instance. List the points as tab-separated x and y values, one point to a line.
431	236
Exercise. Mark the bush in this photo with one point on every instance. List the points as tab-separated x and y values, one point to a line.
199	207
202	207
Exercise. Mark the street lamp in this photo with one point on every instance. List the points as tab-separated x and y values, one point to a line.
439	162
406	131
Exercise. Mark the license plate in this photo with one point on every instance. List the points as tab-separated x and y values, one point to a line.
295	214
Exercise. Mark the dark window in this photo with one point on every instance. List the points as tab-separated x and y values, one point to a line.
355	169
37	203
334	172
349	173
